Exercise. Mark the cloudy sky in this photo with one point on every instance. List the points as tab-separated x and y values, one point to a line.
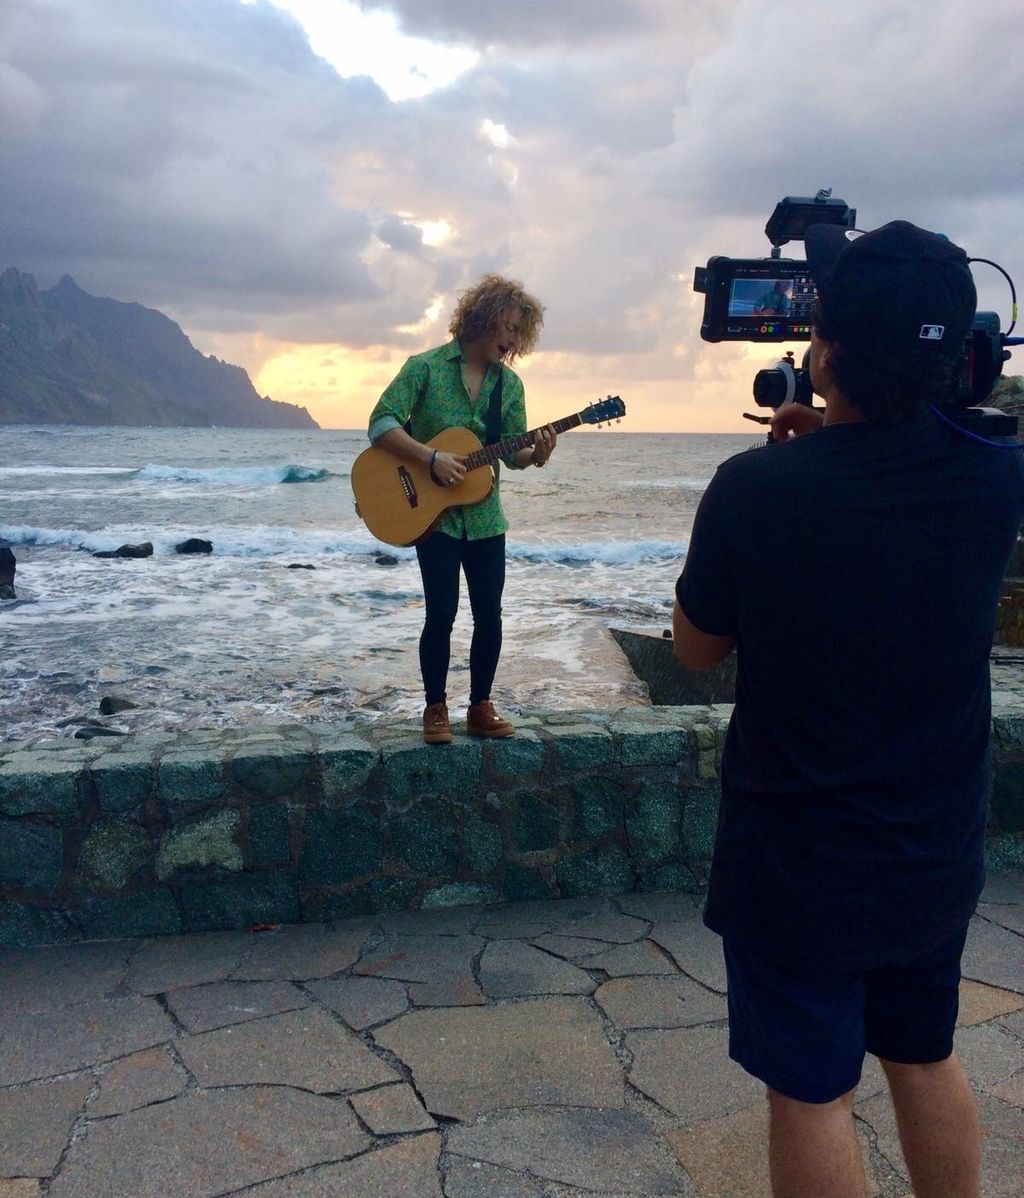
307	185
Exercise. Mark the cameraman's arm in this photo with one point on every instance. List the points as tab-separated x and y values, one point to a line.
695	649
704	615
794	420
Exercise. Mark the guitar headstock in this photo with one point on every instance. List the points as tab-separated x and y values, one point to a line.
603	411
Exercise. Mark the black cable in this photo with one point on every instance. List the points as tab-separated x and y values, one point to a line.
1013	291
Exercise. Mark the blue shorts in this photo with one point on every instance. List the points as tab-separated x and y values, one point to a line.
805	1034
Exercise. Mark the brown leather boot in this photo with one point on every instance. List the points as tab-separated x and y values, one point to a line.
483	720
436	728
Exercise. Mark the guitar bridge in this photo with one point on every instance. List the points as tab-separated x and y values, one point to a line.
408	486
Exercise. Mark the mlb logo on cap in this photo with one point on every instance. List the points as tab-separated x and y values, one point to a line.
899	286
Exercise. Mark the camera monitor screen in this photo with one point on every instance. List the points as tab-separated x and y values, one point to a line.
758	299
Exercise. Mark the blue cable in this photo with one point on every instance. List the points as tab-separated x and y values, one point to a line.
964	432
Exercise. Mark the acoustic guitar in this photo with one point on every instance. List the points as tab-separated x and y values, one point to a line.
399	500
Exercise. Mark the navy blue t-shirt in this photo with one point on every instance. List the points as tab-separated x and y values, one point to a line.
859	568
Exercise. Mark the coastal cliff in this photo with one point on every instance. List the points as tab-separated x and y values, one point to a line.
67	357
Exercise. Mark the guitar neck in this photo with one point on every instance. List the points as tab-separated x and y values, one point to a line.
511	445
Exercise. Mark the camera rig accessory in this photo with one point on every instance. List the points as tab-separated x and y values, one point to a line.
773	299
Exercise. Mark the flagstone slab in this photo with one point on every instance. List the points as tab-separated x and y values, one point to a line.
39	979
1006	915
1006	886
391	1110
980	1003
610	926
643	958
204	1008
438	921
362	1002
405	1170
569	948
35	1124
475	1179
727	1155
604	1150
203	1144
989	1054
301	951
667	906
872	1078
511	969
527	920
1011	1090
467	1061
695	949
47	1043
688	1072
193	959
994	955
307	1049
659	1002
137	1081
1014	1023
439	968
19	1187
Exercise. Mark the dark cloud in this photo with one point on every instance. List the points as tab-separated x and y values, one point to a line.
525	23
198	157
400	235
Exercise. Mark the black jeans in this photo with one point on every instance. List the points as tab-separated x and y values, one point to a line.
441	558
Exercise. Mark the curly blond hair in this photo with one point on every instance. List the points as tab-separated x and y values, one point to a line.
480	309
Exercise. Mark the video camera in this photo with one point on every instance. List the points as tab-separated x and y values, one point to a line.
773	299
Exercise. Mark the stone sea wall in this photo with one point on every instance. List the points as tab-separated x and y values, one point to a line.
233	828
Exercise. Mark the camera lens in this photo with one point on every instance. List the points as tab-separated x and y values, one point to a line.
771	387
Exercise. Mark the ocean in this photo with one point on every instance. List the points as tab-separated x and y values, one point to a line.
245	635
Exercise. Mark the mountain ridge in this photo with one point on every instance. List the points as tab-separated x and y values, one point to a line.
68	357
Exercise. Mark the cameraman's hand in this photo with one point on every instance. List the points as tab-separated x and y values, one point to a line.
794	420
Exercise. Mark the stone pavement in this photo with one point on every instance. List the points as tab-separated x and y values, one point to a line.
539	1050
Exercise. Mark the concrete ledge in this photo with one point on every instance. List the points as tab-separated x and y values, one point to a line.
226	829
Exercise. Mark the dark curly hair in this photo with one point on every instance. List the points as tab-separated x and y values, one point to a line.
886	384
479	310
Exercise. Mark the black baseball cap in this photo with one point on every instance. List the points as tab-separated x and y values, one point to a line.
898	286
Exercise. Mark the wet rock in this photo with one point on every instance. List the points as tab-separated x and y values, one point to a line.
194	545
110	704
8	564
300	566
386	559
143	550
88	731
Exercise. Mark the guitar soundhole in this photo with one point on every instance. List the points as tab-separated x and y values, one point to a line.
408	486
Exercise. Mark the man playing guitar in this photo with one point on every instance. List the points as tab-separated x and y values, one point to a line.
466	383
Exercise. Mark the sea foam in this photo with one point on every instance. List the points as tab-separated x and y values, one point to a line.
235	475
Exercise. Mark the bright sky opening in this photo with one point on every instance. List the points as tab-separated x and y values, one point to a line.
369	43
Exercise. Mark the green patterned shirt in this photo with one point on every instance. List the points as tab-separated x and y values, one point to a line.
429	392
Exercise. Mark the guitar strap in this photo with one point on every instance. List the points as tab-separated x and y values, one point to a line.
493	427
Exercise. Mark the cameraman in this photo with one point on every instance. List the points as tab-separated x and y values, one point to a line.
857	570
